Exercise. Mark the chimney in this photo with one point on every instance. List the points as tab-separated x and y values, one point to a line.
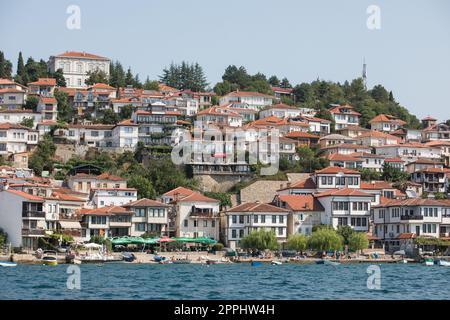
289	184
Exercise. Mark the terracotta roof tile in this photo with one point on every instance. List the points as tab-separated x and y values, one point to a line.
302	202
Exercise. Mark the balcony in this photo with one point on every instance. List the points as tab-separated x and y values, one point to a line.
33	232
33	214
413	217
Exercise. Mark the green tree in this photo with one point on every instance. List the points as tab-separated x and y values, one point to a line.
21	75
297	242
31	103
223	197
325	239
65	111
143	185
394	174
110	117
151	85
27	122
3	238
42	157
5	67
358	241
96	76
117	75
185	76
345	232
285	83
274	81
260	240
59	76
126	112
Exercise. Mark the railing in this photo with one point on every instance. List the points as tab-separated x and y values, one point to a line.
413	217
33	214
33	232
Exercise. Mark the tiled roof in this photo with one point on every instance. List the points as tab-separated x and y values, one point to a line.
106	211
339	110
11	90
75	54
412	203
179	191
405	236
48	100
282	106
301	134
335	170
346	146
44	82
102	86
257	207
343	192
302	202
196	196
25	195
7	125
387	118
248	94
395	159
378	134
145	203
376	185
303	184
216	110
127	122
341	157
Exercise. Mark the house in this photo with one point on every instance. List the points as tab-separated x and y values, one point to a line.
284	125
303	138
280	92
124	136
44	87
395	218
370	161
11	84
109	221
16	116
149	216
15	138
333	139
432	179
421	164
254	100
440	131
219	116
352	131
102	197
335	177
194	215
242	219
376	138
345	148
318	126
344	115
396	163
83	183
408	135
280	110
84	134
445	149
12	98
156	127
77	65
22	217
48	107
305	212
203	99
386	123
345	161
409	152
428	121
346	206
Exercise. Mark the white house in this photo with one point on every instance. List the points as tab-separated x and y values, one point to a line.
280	110
102	197
76	65
149	216
83	183
255	100
241	220
15	138
12	98
344	115
386	123
410	151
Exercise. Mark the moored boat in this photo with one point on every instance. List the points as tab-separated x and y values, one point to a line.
276	263
443	263
181	261
49	258
7	264
429	262
327	262
256	263
128	257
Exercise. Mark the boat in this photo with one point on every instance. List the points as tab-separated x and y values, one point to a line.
128	257
256	263
443	263
7	264
49	258
276	263
429	262
159	258
327	262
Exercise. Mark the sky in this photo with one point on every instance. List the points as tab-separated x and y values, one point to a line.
301	40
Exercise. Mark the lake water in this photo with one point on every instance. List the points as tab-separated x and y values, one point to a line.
236	281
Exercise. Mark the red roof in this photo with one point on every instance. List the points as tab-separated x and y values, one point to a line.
48	100
127	122
282	90
303	184
248	94
179	191
216	110
11	90
102	86
196	196
7	125
145	203
44	82
346	146
378	134
387	118
26	195
340	110
376	185
302	202
405	236
282	106
75	54
257	207
336	170
343	192
106	211
301	134
341	157
412	202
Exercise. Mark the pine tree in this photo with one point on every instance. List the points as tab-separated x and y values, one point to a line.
5	67
21	76
129	79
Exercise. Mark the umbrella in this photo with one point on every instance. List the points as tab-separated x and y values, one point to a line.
183	239
151	240
165	239
93	245
205	240
120	241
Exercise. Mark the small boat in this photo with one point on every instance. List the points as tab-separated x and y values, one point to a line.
128	257
327	262
159	258
404	261
276	263
256	263
7	264
50	258
429	262
443	263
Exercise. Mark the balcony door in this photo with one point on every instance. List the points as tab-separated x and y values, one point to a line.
418	230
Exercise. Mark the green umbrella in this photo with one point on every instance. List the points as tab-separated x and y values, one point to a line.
120	241
205	240
151	240
136	240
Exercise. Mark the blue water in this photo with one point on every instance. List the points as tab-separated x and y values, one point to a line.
237	281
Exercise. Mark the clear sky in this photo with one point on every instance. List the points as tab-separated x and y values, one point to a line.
300	40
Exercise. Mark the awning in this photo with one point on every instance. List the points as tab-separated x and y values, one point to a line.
69	224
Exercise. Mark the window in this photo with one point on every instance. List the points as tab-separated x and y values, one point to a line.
94	134
241	219
185	223
280	231
255	218
233	233
281	218
205	223
324	180
274	219
139	227
234	219
263	219
213	223
195	223
139	212
2	134
241	233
